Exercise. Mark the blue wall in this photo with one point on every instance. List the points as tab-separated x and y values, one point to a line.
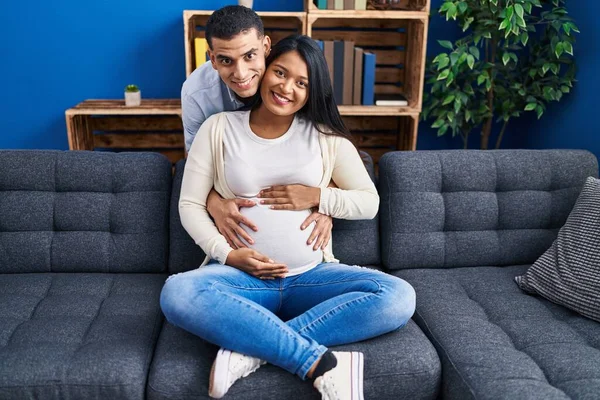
56	54
59	55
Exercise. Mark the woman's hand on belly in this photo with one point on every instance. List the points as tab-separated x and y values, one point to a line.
254	263
290	197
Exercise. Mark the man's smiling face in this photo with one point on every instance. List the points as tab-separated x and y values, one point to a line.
240	61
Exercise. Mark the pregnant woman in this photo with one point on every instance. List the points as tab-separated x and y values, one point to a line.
279	300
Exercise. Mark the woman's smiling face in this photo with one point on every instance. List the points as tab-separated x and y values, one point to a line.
284	88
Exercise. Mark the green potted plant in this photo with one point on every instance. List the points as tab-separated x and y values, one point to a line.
133	96
516	56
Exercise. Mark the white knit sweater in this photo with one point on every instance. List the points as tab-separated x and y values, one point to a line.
355	197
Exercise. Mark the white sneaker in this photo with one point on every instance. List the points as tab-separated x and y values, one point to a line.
345	381
228	367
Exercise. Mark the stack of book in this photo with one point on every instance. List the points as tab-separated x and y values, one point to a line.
200	49
341	4
352	73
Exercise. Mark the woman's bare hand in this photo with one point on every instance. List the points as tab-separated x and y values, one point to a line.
290	197
256	264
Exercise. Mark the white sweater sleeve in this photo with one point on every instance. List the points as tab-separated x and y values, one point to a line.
198	180
356	197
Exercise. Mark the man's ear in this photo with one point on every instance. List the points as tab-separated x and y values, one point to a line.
267	45
213	58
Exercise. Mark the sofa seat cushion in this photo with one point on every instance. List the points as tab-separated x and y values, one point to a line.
496	341
77	336
396	364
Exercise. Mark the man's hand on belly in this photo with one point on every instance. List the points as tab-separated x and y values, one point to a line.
290	197
321	234
227	217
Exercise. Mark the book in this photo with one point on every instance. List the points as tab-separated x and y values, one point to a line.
368	94
200	48
338	71
331	4
390	100
328	51
349	4
348	72
360	4
358	76
321	4
339	4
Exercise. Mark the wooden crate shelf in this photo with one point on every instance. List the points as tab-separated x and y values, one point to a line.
109	125
402	6
277	26
399	48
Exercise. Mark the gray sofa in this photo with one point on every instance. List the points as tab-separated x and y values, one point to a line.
459	226
87	240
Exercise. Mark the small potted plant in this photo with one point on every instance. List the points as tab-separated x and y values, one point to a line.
133	96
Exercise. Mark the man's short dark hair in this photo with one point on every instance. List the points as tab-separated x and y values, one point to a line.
230	21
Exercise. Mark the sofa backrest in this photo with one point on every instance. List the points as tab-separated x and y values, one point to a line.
455	208
354	242
79	211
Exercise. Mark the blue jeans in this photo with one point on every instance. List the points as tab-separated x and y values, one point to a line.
329	305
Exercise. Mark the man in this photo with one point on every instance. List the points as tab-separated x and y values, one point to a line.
237	49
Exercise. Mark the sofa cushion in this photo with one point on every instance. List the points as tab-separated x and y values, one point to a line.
77	336
354	242
83	211
568	273
398	363
457	208
495	341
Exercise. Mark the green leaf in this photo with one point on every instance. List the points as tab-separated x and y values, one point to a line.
505	58
467	115
539	110
519	10
475	51
522	92
568	48
442	130
438	123
567	28
530	106
470	61
481	78
528	7
524	38
504	24
443	75
445	6
509	12
446	44
546	67
457	105
448	100
565	89
574	27
559	49
451	13
454	58
463	6
443	63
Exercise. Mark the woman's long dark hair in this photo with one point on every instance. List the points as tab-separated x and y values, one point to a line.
320	108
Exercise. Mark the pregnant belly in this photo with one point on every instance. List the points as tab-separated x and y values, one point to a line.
280	238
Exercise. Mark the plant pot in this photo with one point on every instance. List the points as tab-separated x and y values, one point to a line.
133	99
245	3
